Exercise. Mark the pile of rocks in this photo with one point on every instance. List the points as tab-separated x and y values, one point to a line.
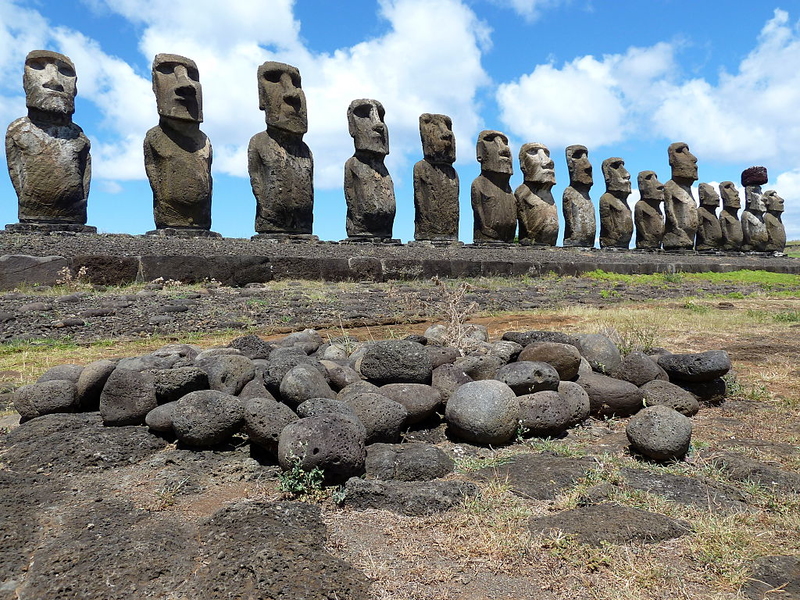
314	403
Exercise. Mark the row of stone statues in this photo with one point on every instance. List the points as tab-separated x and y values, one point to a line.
50	168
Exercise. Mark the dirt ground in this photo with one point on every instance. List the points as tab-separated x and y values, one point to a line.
484	549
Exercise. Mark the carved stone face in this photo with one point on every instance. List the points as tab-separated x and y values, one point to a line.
730	195
50	82
650	187
438	142
618	180
708	196
493	152
580	169
683	162
773	202
282	98
365	121
176	84
536	164
754	199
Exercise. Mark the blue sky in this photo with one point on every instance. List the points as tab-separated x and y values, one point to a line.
624	78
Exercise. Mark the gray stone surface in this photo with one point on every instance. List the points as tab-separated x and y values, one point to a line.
694	491
177	155
54	396
525	338
412	498
207	418
368	187
340	376
709	230
616	219
528	377
359	387
47	154
91	381
255	388
484	412
303	382
664	393
742	468
712	391
536	210
332	442
252	346
577	401
479	367
609	396
602	353
227	373
611	523
544	414
680	208
580	225
776	232
64	372
565	358
730	225
280	163
396	361
416	461
436	185
447	378
127	397
264	419
494	207
538	476
638	368
420	400
647	214
773	577
660	433
441	355
696	367
172	384
160	418
17	270
283	360
382	417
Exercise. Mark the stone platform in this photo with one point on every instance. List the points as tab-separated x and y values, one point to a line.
113	259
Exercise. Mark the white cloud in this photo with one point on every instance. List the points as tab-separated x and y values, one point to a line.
530	10
787	185
588	101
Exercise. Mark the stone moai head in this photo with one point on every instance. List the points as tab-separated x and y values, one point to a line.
650	188
580	169
730	195
683	162
618	180
493	153
752	180
438	141
773	202
708	196
50	82
536	164
176	84
366	126
281	97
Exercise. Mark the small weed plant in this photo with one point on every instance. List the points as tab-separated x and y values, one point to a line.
299	482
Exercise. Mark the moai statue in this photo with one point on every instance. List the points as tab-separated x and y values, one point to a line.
494	207
280	164
536	210
48	155
436	185
754	230
616	220
776	232
580	225
680	207
647	213
729	222
709	231
368	187
177	155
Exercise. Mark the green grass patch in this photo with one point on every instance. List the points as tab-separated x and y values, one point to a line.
766	279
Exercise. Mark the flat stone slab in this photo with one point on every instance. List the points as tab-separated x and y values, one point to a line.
773	578
412	498
538	476
693	491
610	523
742	468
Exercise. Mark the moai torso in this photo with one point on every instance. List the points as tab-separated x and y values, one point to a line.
709	231
494	207
754	229
647	213
580	225
776	232
680	212
730	225
536	210
280	164
616	220
436	184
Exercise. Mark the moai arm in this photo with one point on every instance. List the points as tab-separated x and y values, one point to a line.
87	173
256	167
14	159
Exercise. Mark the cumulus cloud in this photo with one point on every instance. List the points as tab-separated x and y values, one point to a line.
588	101
530	10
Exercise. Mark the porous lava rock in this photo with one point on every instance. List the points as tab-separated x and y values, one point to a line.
252	346
64	372
303	382
664	393
412	498
577	401
396	361
416	461
264	419
160	418
54	396
447	378
227	373
484	412
127	397
565	358
383	418
660	433
331	442
340	376
480	367
611	397
91	381
528	377
207	418
544	413
600	351
442	355
638	368
525	338
696	367
420	400
173	384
